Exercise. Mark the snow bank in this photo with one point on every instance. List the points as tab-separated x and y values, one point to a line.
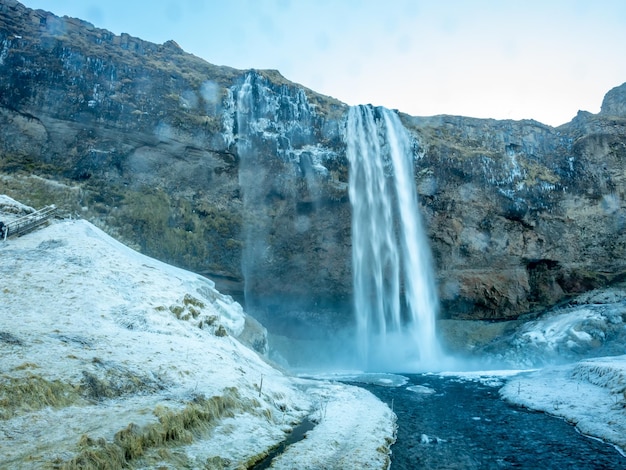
592	325
105	349
590	394
343	413
11	209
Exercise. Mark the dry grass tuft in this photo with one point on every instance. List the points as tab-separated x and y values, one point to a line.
221	331
32	392
174	427
115	381
191	300
96	455
218	463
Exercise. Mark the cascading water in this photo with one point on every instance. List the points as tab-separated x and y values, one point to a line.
250	174
395	296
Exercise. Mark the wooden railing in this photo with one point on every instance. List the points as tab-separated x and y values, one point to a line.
25	224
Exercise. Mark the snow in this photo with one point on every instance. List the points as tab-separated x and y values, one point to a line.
12	209
421	389
561	328
82	310
578	362
337	433
570	363
590	394
594	325
383	379
588	391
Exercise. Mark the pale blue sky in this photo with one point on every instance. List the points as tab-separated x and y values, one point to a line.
505	59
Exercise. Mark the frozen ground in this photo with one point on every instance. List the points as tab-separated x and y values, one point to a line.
578	356
590	325
108	355
590	394
575	361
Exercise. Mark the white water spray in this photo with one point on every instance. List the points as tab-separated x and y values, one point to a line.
395	296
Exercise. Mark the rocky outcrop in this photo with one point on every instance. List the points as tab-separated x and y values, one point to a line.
614	103
242	174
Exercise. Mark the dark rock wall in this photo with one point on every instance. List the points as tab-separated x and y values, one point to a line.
137	126
520	214
296	214
243	174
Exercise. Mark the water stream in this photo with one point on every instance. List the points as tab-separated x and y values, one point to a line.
395	297
448	423
298	433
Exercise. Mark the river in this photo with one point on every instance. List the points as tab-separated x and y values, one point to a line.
450	423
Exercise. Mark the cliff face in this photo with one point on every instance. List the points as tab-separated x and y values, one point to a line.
521	214
148	138
243	174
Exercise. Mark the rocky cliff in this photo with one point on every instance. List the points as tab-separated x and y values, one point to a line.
243	175
522	215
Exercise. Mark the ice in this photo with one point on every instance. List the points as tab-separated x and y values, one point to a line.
591	325
370	378
421	389
491	378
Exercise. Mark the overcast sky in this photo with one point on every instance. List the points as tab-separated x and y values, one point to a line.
504	59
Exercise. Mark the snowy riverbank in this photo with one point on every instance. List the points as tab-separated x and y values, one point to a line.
108	355
590	394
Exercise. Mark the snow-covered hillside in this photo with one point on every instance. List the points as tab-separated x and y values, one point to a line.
110	357
592	324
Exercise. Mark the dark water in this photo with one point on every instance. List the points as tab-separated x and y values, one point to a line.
465	425
296	435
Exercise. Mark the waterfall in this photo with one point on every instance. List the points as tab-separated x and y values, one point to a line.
254	234
395	298
273	128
